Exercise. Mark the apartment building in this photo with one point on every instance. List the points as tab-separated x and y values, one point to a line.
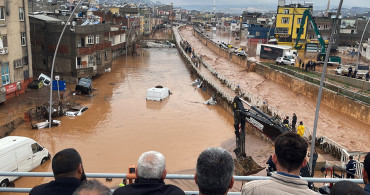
288	21
15	47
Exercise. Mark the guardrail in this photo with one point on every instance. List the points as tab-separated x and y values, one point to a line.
169	176
337	89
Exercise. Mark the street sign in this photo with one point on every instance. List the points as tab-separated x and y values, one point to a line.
57	78
62	85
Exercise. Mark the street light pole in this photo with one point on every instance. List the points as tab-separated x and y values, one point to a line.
52	65
322	84
359	46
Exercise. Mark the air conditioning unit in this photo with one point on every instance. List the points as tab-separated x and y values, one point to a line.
4	50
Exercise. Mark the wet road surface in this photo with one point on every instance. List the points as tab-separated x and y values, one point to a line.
346	131
120	124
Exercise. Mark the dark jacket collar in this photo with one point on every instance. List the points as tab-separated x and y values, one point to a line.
145	180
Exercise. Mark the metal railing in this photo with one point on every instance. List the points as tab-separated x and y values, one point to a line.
169	176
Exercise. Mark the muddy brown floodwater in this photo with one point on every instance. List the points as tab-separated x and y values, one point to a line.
120	124
347	131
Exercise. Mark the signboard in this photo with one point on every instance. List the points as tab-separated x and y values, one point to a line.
62	85
11	88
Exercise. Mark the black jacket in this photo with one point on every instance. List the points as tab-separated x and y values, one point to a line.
144	186
60	186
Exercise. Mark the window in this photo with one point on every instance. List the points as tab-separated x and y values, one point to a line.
18	63
282	31
91	60
97	39
98	59
299	20
285	20
2	13
106	56
257	34
21	14
90	39
286	11
319	27
36	148
336	32
326	26
23	38
78	62
5	73
333	41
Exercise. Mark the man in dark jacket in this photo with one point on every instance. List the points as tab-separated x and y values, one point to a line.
68	172
294	121
151	171
351	168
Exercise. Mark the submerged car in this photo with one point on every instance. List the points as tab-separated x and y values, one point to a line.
84	85
75	111
36	84
343	69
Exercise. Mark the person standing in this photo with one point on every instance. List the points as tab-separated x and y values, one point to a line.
286	121
349	71
366	173
294	121
300	129
351	168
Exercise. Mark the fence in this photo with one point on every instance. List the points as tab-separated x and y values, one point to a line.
339	90
169	176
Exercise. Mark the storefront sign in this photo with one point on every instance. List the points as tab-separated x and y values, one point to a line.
11	88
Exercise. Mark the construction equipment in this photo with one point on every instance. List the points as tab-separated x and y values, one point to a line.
322	54
245	165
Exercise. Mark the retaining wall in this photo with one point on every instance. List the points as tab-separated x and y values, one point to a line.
6	129
345	105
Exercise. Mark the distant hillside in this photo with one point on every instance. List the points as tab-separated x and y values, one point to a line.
148	2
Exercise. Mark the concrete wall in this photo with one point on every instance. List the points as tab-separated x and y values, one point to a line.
330	98
351	81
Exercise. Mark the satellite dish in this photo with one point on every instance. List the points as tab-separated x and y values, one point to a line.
73	23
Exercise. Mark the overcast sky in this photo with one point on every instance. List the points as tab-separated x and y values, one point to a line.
333	3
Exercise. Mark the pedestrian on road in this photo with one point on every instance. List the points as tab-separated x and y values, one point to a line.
300	129
294	121
286	121
367	76
349	71
302	66
351	168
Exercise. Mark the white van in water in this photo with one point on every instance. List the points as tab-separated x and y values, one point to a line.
157	93
19	154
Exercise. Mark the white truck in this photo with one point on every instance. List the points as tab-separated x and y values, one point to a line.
270	51
20	154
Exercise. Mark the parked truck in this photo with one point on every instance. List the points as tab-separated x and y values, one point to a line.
269	51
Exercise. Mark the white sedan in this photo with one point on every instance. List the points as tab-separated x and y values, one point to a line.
286	61
76	111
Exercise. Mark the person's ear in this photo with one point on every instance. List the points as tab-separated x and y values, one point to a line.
231	182
195	178
274	159
304	163
164	173
364	175
80	169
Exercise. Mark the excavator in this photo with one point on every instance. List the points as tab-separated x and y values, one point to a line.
322	54
270	127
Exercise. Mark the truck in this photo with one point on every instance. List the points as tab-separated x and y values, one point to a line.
20	154
269	51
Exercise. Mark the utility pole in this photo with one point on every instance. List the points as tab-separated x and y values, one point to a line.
322	84
360	45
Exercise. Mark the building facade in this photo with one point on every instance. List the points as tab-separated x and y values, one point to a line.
288	21
15	47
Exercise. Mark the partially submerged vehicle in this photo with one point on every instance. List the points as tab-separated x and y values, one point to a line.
84	85
36	84
75	111
45	79
44	124
157	93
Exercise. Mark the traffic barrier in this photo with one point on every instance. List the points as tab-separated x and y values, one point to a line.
169	176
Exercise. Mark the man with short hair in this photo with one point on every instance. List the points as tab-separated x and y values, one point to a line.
346	188
151	171
92	187
68	173
214	172
289	157
366	173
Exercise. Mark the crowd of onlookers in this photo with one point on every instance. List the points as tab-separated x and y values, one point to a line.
214	174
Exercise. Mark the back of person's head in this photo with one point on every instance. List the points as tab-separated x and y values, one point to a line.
350	157
367	166
151	165
66	162
92	187
301	123
290	150
214	171
346	188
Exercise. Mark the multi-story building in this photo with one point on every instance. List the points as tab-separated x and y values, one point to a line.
15	47
288	21
85	49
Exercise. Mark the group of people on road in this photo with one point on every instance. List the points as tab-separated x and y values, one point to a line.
214	174
300	129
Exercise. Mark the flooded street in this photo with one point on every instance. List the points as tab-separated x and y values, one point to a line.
120	124
332	123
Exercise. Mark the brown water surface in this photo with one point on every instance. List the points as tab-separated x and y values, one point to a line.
120	124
